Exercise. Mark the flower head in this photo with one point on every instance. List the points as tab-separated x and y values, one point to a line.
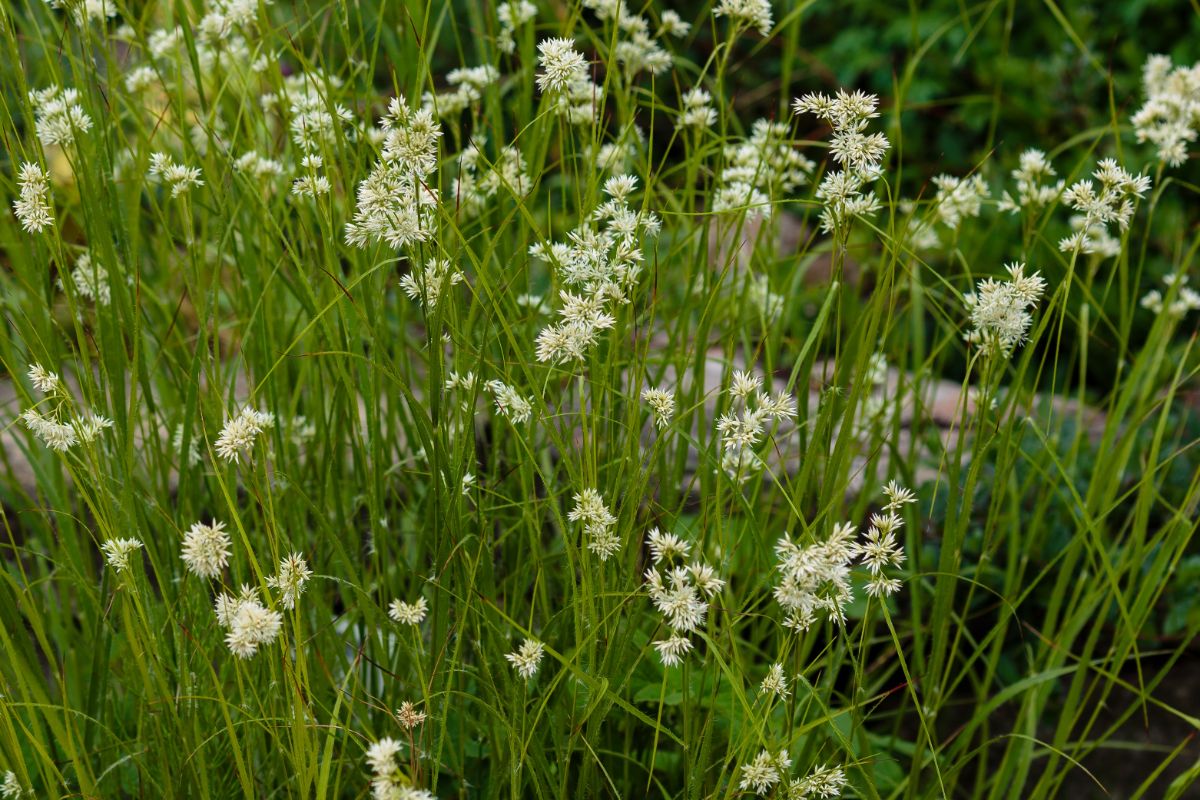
206	549
32	206
527	658
409	613
118	551
291	579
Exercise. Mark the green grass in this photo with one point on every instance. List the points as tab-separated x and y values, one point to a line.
1046	607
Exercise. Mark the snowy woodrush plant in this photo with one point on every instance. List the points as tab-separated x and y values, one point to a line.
597	399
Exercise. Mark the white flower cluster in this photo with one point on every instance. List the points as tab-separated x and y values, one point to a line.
844	191
766	770
1033	190
958	198
749	13
313	119
118	551
394	204
759	170
85	11
10	787
477	183
239	432
32	207
290	580
511	16
1000	310
527	658
388	781
816	577
681	593
176	176
468	84
509	403
696	110
426	284
598	523
743	427
50	427
408	613
564	79
775	683
205	549
604	261
249	623
58	116
90	280
1170	117
766	304
1113	203
662	405
1178	302
636	49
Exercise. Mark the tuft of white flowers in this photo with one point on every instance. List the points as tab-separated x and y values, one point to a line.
408	715
32	206
744	426
511	16
562	65
775	683
206	549
10	787
291	579
478	183
90	280
958	198
766	304
824	782
1033	192
1112	203
43	380
602	258
312	184
564	78
1178	302
696	110
1000	310
117	552
816	578
249	623
598	523
509	403
759	170
426	284
748	13
680	592
51	428
527	658
85	11
1170	117
843	192
467	85
395	205
388	781
764	771
239	432
58	116
636	49
176	176
408	613
662	405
